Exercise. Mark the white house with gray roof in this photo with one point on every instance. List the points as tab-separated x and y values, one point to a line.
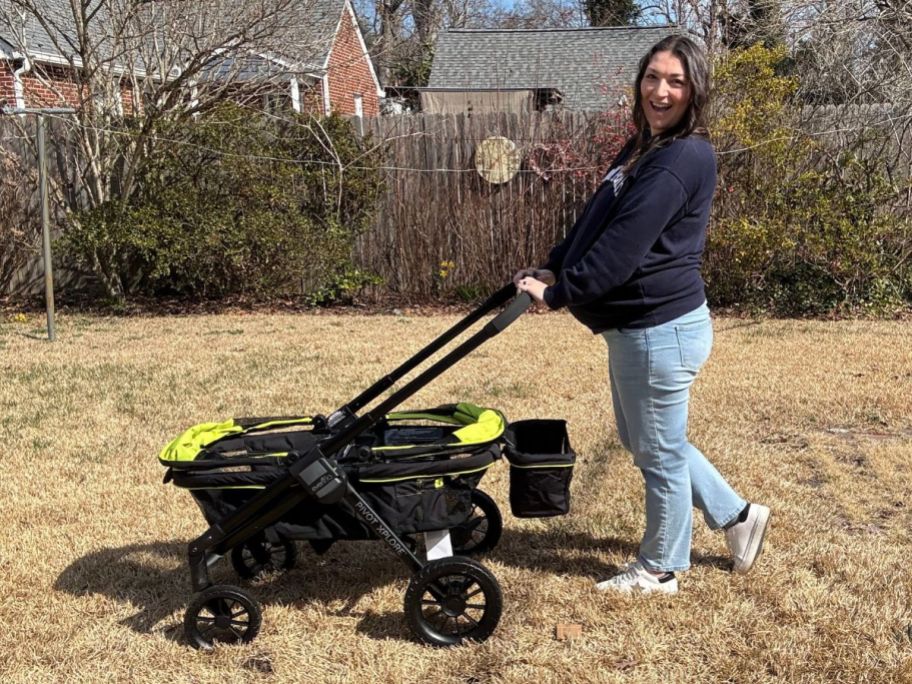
515	70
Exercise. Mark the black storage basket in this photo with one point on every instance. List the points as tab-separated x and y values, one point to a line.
541	466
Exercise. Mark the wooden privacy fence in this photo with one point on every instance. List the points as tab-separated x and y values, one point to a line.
21	267
443	229
438	210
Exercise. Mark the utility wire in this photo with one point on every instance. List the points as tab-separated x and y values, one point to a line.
417	134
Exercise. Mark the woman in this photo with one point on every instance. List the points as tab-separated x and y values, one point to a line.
630	271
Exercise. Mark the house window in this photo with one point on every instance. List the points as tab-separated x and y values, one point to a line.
276	102
111	106
359	105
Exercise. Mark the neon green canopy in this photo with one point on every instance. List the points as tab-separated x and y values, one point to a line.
187	445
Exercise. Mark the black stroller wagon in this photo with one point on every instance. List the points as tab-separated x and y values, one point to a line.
262	483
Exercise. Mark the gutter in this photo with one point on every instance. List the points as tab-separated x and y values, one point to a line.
39	57
18	86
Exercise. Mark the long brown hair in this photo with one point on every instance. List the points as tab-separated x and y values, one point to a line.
693	122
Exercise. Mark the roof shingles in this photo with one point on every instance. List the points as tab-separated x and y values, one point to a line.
303	33
591	67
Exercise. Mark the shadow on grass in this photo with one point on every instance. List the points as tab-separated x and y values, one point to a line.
155	579
576	553
132	573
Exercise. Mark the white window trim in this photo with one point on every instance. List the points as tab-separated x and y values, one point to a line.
119	103
295	91
327	105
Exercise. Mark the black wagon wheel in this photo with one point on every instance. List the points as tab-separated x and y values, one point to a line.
481	531
451	600
221	613
257	556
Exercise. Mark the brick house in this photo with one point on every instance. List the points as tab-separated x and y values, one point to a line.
325	69
40	76
336	73
582	69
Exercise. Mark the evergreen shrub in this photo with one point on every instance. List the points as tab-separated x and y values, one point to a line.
237	204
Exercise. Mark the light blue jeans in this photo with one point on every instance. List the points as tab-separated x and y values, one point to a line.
651	371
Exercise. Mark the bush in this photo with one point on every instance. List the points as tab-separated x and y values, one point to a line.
234	205
797	228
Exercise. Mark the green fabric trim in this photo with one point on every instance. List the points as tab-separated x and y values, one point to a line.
426	477
404	447
189	443
436	417
480	425
542	465
280	423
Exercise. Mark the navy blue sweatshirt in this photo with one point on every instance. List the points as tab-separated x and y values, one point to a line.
632	259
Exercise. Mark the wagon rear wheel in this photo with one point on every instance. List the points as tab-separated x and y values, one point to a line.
258	556
481	532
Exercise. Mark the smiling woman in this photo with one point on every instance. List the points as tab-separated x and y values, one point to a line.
665	92
630	271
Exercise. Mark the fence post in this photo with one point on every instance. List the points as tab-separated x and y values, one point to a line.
45	227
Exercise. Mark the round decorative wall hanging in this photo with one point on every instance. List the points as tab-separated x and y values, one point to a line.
497	159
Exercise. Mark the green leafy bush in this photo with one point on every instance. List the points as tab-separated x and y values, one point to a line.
797	228
235	204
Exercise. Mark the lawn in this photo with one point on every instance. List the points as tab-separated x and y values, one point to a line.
809	417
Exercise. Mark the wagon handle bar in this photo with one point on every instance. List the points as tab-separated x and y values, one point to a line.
495	300
270	504
496	325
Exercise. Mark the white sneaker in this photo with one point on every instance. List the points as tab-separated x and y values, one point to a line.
637	579
745	540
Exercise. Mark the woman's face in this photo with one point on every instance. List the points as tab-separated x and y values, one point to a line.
664	92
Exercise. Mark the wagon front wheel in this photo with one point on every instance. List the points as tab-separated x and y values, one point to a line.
221	613
451	600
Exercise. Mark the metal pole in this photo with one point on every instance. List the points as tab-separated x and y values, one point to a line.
43	192
46	227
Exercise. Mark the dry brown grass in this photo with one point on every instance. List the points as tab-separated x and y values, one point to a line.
811	418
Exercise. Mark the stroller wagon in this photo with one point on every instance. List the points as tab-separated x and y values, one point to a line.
262	483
